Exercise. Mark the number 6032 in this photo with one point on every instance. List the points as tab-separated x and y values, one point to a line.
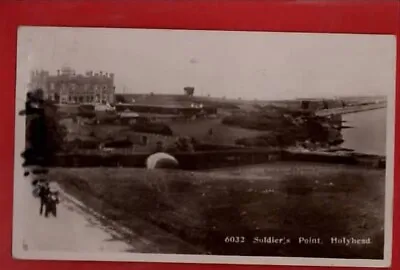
235	239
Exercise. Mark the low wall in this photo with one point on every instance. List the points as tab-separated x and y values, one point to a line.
372	161
351	109
99	160
227	158
216	159
187	161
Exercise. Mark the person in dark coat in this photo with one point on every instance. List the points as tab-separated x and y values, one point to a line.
43	195
51	203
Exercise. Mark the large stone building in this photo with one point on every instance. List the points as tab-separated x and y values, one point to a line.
68	87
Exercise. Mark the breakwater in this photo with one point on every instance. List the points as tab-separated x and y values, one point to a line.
351	109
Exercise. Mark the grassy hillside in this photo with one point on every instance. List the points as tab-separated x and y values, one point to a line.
278	199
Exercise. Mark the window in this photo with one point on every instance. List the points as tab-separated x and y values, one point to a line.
52	86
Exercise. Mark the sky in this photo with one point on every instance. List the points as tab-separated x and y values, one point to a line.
247	65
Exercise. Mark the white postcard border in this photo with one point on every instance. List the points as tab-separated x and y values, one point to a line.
25	62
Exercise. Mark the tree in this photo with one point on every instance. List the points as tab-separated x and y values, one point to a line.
325	104
44	134
183	144
120	99
189	90
305	104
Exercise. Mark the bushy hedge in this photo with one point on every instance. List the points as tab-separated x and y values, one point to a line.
157	128
119	144
82	144
262	141
182	144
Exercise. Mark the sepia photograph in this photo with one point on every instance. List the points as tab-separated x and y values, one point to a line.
197	146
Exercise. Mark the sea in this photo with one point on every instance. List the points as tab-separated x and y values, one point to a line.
368	132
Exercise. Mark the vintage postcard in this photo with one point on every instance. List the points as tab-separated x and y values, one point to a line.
204	146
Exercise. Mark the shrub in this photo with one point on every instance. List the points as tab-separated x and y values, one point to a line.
119	144
287	128
157	128
86	114
182	144
82	144
120	98
261	141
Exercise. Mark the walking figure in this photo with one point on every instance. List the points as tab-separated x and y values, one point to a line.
43	195
51	204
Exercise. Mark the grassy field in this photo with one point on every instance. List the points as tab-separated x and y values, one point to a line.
277	199
221	134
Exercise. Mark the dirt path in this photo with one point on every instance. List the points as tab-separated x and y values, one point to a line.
72	230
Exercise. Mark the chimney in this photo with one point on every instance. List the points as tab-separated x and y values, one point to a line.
58	72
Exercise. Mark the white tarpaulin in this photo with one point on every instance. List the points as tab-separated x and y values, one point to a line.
161	160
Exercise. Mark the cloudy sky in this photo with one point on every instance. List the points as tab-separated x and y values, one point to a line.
233	64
